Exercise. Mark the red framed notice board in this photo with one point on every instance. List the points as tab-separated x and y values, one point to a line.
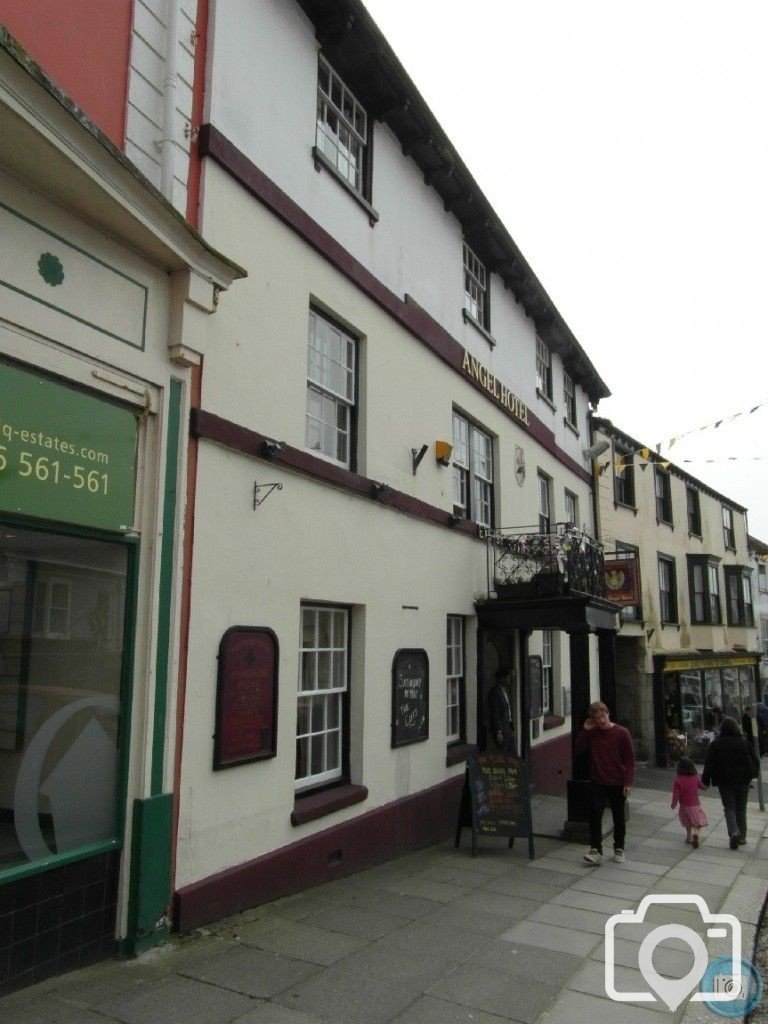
246	697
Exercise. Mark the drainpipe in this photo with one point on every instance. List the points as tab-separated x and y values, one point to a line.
169	97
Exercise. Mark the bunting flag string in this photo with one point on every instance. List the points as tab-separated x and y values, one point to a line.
620	462
732	458
710	426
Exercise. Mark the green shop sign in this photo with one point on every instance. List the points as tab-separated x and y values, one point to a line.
64	454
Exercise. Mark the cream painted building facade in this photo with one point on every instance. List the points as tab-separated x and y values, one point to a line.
686	652
390	408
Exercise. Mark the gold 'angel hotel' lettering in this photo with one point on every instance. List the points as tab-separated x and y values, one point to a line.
498	391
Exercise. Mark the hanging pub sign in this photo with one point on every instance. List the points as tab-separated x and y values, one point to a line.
246	697
622	585
65	454
410	697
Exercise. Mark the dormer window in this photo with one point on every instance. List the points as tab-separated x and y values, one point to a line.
475	288
543	369
342	128
569	398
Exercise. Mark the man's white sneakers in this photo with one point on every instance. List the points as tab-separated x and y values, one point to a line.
618	856
593	857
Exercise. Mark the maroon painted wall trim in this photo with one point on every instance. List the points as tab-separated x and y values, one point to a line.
366	840
408	313
459	752
317	805
214	428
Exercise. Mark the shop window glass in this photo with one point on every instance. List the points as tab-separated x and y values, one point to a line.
731	693
698	725
746	687
713	698
61	664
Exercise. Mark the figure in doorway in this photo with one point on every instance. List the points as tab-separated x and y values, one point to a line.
500	726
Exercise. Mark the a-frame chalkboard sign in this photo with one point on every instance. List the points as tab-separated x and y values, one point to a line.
496	800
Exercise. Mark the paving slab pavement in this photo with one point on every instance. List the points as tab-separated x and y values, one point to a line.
441	936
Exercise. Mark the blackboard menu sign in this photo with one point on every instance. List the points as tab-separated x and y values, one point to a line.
535	686
410	697
246	697
496	800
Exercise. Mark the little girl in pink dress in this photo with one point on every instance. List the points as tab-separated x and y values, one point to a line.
685	791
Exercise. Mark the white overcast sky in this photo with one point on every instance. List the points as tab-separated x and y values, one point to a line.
624	144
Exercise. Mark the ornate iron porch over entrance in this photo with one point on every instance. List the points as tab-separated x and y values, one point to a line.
524	563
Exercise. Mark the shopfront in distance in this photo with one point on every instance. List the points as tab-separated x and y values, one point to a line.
693	693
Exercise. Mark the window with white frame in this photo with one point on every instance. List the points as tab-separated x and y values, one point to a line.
472	472
543	369
342	127
454	698
50	614
729	536
547	642
739	595
694	511
704	584
667	589
330	390
569	398
475	288
571	509
624	476
323	692
545	518
663	496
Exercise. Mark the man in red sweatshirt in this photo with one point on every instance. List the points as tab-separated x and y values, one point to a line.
612	771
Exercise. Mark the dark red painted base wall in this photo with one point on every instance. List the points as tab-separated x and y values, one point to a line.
551	766
379	835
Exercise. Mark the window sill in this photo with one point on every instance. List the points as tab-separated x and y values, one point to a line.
571	426
323	163
458	752
469	319
318	805
553	721
629	508
546	399
665	522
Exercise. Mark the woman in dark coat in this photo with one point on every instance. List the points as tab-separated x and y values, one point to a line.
730	765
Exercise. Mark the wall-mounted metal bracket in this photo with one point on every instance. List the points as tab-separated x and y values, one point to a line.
260	487
417	455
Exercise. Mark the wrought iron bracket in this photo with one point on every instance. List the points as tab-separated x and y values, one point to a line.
260	487
417	455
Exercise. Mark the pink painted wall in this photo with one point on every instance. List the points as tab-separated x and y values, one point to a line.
84	45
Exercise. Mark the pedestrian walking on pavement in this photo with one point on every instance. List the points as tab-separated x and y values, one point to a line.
731	765
685	794
612	771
